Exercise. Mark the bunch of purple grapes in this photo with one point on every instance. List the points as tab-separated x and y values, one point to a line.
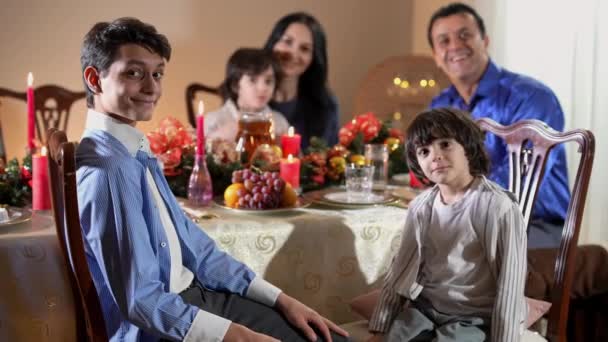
262	190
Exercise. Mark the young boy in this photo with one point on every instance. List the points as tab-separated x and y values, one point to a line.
250	83
156	273
461	266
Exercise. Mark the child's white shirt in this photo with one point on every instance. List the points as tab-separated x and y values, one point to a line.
456	274
223	123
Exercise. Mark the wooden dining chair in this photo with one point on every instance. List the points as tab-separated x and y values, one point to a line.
62	172
398	88
191	95
52	103
528	144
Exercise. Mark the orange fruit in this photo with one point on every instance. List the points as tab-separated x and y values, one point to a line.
231	199
289	197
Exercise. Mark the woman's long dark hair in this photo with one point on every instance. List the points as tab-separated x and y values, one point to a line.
312	85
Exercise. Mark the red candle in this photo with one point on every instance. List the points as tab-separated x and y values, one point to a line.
290	171
41	195
31	113
290	142
200	130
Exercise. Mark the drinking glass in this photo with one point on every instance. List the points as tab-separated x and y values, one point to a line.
358	181
377	155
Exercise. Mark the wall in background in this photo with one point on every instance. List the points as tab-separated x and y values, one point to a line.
45	38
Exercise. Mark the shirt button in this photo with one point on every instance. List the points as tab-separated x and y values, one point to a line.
163	244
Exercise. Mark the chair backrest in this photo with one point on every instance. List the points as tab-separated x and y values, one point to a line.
52	104
398	88
191	94
62	170
528	143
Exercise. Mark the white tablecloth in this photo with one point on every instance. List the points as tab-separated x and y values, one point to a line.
322	257
35	295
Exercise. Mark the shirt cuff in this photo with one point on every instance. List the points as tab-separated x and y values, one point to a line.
262	291
207	327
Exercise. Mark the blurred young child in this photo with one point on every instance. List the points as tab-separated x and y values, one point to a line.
250	83
460	271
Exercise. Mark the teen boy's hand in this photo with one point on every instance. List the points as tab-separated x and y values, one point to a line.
240	333
302	317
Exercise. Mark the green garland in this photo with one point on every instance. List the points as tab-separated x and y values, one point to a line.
15	189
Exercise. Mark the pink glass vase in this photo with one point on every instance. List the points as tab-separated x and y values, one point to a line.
200	188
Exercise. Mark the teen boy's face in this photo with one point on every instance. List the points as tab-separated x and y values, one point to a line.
444	162
131	87
254	91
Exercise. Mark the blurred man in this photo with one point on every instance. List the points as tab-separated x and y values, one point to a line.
459	42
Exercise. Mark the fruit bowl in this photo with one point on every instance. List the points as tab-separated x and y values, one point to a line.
253	189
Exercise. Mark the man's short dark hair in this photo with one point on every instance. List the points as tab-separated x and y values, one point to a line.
247	61
451	9
102	42
447	123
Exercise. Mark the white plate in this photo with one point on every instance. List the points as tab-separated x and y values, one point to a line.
301	203
16	215
342	197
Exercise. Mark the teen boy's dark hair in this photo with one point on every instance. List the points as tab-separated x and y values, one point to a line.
446	123
104	39
247	61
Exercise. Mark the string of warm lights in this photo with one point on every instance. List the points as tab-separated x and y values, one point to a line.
403	83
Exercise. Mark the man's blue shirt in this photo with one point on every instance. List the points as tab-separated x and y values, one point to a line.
507	97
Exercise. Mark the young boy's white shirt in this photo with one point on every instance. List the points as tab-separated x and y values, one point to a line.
500	228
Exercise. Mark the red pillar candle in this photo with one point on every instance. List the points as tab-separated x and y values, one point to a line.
41	195
290	171
200	130
290	142
31	113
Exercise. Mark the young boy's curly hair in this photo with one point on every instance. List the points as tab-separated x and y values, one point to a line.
446	123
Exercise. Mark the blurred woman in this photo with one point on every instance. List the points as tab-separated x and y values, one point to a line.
302	95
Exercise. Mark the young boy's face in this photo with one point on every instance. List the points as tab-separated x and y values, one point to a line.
255	91
131	86
444	162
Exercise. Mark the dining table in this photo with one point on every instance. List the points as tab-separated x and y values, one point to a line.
319	254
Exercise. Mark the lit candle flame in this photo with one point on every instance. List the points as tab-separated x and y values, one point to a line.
290	131
43	151
30	79
290	158
201	107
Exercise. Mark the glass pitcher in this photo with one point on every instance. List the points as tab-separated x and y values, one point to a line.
254	129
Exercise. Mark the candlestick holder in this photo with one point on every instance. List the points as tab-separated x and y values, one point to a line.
200	187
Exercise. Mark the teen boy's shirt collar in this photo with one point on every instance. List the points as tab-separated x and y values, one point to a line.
133	139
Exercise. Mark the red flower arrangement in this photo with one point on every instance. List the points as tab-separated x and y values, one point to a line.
323	166
366	128
167	142
173	144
